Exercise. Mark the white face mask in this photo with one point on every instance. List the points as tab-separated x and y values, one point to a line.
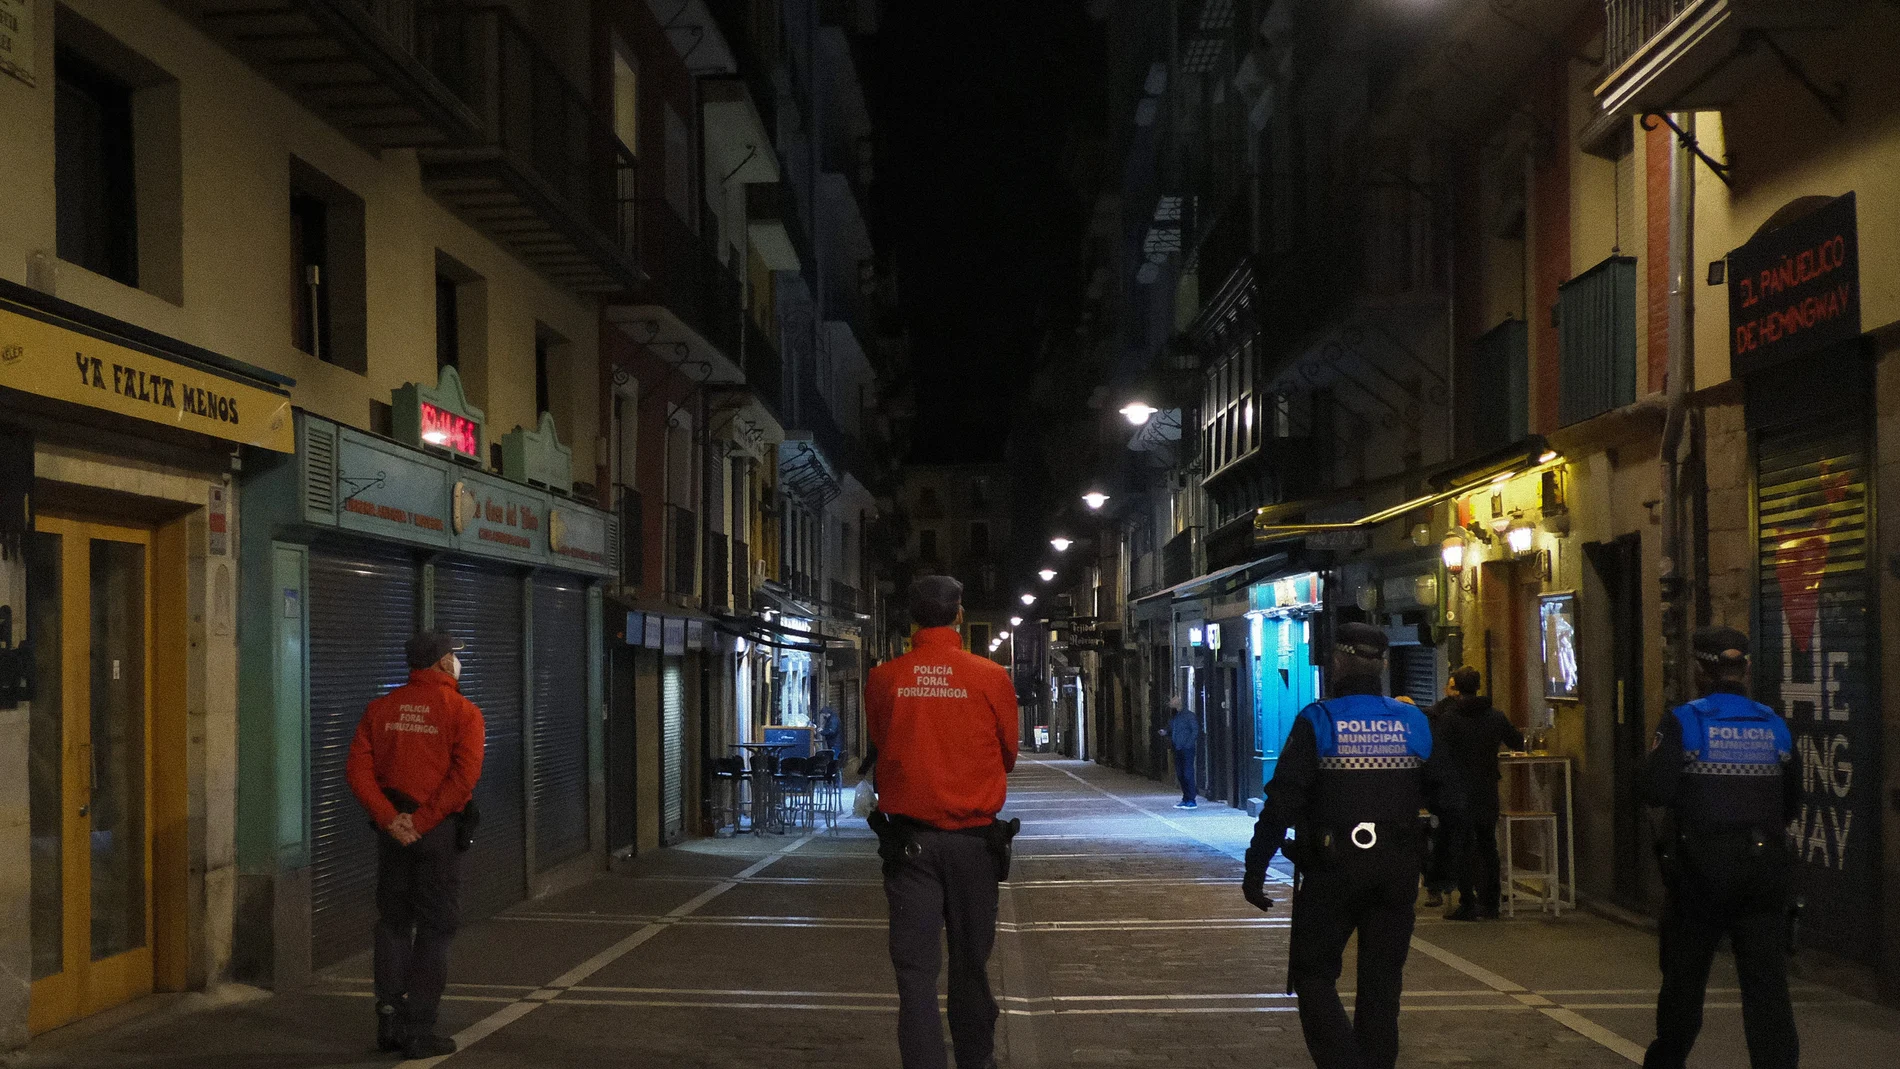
455	666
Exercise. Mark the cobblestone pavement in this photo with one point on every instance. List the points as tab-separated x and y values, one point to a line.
1124	942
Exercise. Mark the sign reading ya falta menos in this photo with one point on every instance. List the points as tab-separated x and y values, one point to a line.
50	360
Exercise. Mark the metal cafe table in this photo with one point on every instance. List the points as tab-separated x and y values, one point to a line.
1536	800
762	761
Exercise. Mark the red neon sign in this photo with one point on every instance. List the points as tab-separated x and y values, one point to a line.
446	430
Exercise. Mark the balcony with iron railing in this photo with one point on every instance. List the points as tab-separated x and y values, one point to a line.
1684	55
764	369
365	66
682	553
687	278
544	175
718	572
841	448
633	535
741	577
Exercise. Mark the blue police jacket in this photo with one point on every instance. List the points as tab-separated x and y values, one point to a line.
1358	758
1724	760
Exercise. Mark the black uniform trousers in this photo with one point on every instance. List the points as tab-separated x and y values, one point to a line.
418	910
946	893
1377	902
1727	885
1478	877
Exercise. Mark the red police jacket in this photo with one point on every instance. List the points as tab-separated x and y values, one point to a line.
945	726
422	740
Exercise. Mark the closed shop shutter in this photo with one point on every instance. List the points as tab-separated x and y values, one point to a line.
672	750
1814	664
481	605
1415	674
362	612
560	720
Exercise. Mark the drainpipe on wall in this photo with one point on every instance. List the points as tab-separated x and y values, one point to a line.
1675	588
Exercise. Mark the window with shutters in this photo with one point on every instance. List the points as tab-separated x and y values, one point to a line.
1229	429
1501	366
1596	318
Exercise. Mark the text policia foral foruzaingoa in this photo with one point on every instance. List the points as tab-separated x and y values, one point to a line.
933	681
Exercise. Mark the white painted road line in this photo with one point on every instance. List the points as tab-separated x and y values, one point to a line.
508	1015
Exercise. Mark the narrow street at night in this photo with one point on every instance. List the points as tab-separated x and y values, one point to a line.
1123	942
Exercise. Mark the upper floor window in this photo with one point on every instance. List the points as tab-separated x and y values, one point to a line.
979	539
96	201
117	164
1230	427
329	316
626	97
927	544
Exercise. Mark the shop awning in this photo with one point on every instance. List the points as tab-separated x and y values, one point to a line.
1526	458
1234	576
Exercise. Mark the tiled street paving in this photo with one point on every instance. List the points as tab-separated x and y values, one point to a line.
1124	942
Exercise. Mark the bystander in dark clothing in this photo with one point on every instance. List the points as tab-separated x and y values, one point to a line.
1184	736
944	725
413	765
1723	768
831	730
1471	732
1355	771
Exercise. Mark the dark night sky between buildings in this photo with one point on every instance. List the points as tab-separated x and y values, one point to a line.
976	104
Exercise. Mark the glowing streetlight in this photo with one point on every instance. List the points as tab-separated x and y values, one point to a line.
1002	636
1048	575
1062	544
1095	499
1015	621
1029	599
1139	412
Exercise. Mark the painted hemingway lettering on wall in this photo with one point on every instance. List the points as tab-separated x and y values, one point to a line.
1814	667
1795	289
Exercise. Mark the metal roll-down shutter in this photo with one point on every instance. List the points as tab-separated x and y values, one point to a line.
482	605
672	749
362	611
560	720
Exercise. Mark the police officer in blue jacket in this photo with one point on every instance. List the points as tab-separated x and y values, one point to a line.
1723	767
1353	775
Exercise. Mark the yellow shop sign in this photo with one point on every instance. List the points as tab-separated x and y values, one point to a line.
53	361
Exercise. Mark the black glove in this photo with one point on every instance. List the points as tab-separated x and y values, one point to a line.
1253	885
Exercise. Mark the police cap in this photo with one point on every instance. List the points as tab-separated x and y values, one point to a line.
426	648
1720	646
1360	640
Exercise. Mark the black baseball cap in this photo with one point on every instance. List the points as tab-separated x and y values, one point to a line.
1718	646
425	648
1360	640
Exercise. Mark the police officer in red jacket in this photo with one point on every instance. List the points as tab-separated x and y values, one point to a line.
413	765
944	725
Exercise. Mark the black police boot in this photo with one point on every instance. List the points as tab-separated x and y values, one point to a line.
389	1027
430	1046
1466	911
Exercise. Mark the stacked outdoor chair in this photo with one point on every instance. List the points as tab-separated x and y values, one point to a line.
727	777
794	781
